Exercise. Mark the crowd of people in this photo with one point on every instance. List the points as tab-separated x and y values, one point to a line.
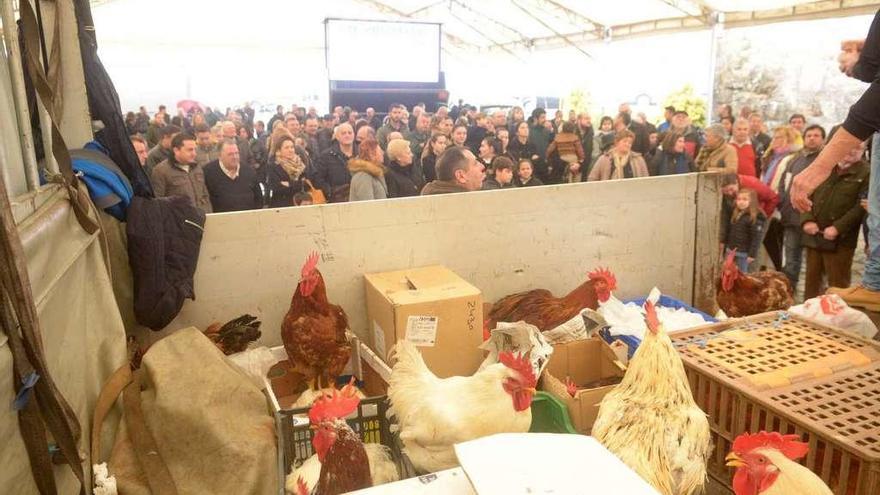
230	162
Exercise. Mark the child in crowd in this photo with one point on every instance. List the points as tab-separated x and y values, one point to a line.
503	176
744	230
302	199
524	174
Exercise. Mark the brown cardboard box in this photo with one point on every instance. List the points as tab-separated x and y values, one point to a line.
584	361
433	308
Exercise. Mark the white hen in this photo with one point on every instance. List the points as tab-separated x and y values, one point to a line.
434	414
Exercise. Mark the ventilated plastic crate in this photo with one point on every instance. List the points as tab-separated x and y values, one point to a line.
780	372
370	422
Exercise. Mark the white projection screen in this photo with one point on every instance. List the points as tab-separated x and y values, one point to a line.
382	51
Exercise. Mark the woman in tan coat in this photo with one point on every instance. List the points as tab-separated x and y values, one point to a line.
620	162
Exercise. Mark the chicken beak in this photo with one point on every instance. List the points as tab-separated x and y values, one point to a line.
733	460
530	390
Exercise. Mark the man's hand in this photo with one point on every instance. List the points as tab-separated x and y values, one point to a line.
811	228
864	203
830	233
750	260
804	184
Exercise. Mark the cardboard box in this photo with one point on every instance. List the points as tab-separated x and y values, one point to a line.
585	362
431	307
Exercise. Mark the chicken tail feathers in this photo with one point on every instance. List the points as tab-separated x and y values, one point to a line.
235	335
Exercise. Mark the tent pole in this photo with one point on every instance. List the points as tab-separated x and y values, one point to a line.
10	34
717	22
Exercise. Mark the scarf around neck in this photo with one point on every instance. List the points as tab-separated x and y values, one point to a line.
293	166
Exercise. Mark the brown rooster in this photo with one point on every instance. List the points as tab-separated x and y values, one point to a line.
235	335
345	466
540	308
313	331
745	294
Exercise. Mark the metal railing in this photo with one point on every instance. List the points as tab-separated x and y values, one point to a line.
22	120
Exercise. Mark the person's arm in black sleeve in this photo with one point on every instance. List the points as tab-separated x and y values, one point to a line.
864	117
867	67
317	174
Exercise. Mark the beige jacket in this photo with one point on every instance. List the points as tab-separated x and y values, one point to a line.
604	168
173	180
722	159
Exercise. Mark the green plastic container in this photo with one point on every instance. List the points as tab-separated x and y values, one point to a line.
549	415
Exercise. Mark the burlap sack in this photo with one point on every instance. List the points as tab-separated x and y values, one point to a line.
211	425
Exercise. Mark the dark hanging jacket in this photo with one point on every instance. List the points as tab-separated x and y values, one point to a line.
164	239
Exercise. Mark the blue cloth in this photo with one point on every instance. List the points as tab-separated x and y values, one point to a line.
741	259
107	188
663	127
871	277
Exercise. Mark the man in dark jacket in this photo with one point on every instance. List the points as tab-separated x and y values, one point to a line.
862	121
760	140
585	132
324	135
279	115
162	150
814	140
836	217
330	172
231	186
457	171
396	123
540	138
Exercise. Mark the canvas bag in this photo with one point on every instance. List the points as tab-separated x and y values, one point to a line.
199	425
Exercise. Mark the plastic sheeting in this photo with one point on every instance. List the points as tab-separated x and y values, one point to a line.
83	335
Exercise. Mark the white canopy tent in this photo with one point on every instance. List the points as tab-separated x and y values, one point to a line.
225	51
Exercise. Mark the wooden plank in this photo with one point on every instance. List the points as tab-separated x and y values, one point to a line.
708	221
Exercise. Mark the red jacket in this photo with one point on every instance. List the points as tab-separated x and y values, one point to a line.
746	155
766	197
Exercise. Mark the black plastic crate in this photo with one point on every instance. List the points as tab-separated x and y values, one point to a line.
370	422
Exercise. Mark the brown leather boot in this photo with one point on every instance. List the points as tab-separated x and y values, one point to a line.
858	297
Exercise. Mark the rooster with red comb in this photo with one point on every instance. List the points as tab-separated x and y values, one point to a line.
766	464
651	422
540	308
345	466
313	331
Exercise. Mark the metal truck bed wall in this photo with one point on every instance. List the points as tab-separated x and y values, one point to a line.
501	241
